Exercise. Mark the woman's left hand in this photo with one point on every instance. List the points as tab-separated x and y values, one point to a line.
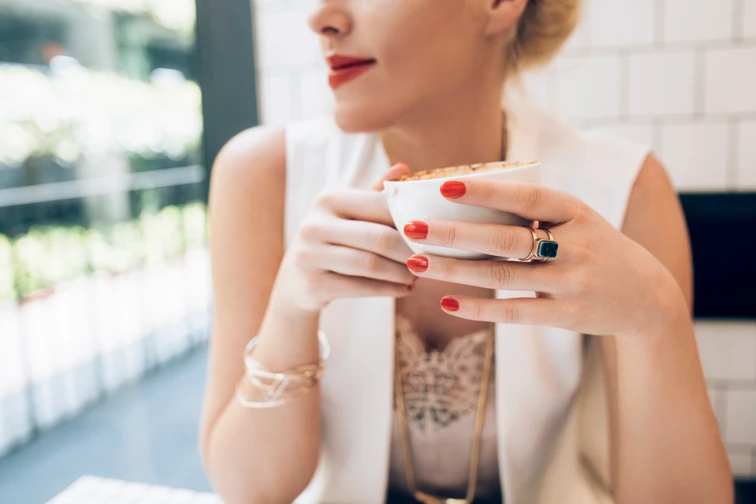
600	283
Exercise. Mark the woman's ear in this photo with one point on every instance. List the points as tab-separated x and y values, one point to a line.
504	14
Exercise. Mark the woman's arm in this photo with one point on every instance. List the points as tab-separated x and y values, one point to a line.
266	455
667	447
665	441
346	247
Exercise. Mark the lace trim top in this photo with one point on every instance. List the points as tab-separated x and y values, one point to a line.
441	390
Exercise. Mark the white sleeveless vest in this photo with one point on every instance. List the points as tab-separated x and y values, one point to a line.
550	399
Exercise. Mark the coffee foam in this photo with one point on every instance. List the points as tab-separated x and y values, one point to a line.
456	171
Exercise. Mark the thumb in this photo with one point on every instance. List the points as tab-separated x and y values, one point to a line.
395	171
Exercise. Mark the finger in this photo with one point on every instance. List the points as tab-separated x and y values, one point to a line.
367	236
395	171
531	311
498	275
356	287
357	204
529	201
359	263
514	242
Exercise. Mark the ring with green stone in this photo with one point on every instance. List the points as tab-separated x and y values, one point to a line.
544	249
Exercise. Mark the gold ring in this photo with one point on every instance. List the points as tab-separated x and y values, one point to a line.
543	249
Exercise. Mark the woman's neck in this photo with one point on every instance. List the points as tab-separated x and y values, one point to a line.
460	130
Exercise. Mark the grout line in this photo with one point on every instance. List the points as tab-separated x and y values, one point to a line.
676	119
699	105
296	96
657	138
738	384
659	32
666	47
723	404
624	86
738	20
740	448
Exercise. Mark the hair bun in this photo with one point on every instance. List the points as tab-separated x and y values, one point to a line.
542	30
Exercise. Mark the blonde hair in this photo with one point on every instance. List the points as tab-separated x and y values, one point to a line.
542	30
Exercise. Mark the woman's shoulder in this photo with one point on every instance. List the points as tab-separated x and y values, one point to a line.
254	153
248	176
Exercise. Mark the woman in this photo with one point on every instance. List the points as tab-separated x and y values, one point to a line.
301	240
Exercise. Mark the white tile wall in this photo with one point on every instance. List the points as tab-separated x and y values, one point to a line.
748	29
718	400
277	105
662	83
730	83
621	22
641	133
697	20
746	167
695	155
728	350
740	416
677	75
742	463
284	40
315	95
588	87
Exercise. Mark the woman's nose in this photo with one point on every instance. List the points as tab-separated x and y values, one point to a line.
331	19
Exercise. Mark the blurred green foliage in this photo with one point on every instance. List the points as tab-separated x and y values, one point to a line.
48	255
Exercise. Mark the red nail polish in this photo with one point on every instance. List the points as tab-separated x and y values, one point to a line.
416	230
450	304
453	189
418	264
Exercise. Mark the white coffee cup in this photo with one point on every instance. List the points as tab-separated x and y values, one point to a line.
421	200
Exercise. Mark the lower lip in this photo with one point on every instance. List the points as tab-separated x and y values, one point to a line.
338	78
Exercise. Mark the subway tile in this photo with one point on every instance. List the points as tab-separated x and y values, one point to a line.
621	22
727	349
697	20
315	95
285	40
730	83
662	83
746	156
741	417
695	156
749	19
742	464
588	87
275	100
640	133
717	400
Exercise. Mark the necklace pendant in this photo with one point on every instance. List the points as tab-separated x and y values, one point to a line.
430	499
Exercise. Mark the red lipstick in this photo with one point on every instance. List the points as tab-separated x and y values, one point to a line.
346	68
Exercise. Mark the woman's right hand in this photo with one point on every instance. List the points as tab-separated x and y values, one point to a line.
346	247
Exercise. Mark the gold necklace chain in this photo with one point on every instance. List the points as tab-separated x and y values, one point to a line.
477	436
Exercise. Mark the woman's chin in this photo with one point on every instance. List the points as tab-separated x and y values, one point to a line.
363	118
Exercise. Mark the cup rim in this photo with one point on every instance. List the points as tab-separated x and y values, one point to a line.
475	174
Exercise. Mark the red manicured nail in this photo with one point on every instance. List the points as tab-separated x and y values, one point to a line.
416	230
453	189
450	304
418	264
